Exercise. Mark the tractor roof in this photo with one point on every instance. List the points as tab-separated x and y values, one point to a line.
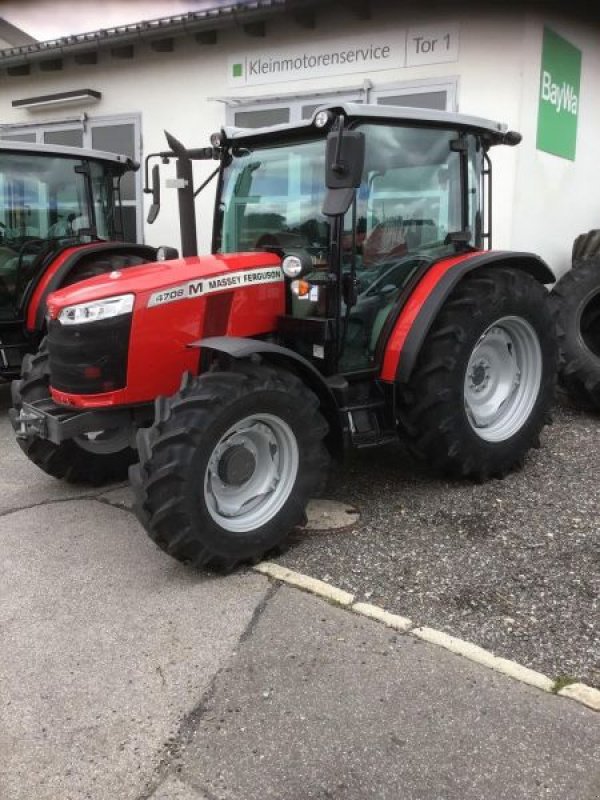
494	132
124	162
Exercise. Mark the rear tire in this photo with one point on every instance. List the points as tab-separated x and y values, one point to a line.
229	465
586	245
482	388
88	461
576	306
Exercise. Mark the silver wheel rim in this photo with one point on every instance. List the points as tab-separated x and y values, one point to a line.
251	473
503	379
104	442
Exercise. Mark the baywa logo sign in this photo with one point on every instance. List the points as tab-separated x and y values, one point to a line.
559	96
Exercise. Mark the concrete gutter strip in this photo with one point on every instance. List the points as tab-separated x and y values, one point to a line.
580	692
306	583
481	656
587	695
394	621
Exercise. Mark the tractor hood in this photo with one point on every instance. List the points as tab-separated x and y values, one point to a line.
158	283
124	338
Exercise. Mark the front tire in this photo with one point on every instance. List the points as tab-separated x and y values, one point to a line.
229	465
483	385
97	459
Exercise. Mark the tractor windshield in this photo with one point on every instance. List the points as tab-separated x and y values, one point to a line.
272	196
45	205
410	198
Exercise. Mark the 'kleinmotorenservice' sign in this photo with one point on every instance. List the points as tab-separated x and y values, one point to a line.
559	96
424	45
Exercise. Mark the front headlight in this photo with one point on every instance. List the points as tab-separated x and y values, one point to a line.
97	310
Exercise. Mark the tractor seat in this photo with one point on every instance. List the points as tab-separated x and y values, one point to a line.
386	240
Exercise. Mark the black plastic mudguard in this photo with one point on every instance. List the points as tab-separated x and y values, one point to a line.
241	348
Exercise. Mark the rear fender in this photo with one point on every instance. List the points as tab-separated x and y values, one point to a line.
105	255
240	348
429	295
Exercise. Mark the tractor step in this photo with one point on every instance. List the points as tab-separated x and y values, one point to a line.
365	425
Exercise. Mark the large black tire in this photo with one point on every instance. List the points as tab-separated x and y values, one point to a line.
197	451
576	306
482	350
586	245
69	460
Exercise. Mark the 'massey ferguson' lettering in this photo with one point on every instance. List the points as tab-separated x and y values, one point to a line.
561	97
225	282
198	288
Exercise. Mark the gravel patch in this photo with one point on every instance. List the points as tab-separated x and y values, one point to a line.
512	565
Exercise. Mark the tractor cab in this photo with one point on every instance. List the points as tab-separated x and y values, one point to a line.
51	199
359	205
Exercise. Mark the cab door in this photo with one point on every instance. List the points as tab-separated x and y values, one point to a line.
408	203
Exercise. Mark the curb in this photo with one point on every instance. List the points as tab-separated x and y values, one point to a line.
579	692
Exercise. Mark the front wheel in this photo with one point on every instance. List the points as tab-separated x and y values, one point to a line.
483	384
229	465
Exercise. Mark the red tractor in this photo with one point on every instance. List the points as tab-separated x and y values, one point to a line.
347	299
60	222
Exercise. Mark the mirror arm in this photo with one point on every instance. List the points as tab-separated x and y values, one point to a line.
207	181
337	165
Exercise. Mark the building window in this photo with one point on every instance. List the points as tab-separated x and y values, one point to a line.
256	112
434	95
112	134
260	118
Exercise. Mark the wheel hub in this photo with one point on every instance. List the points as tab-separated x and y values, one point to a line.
236	466
502	378
479	375
105	442
251	472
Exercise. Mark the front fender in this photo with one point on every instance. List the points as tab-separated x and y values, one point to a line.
244	348
420	310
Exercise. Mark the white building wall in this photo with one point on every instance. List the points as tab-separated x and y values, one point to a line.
541	202
556	199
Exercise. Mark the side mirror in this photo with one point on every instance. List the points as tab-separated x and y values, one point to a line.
155	207
345	159
344	163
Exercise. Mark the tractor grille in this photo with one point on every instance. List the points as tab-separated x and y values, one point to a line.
89	358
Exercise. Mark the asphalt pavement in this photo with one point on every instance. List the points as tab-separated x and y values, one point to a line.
125	675
513	564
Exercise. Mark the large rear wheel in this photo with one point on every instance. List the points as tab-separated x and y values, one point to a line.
96	458
229	465
576	305
482	387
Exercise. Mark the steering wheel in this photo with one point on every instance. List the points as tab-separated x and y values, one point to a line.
21	253
25	247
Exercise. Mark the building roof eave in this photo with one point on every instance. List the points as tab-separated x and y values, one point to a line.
178	25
